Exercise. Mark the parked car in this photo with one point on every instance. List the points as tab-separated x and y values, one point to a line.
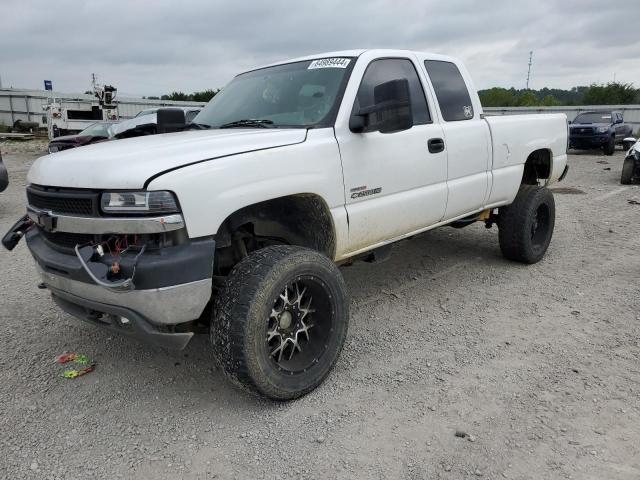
631	164
238	224
94	133
4	176
145	122
599	129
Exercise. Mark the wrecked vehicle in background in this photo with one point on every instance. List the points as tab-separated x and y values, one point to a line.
146	122
4	175
97	132
631	165
236	223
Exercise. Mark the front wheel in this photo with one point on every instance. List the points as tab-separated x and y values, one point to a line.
610	147
280	321
627	171
526	226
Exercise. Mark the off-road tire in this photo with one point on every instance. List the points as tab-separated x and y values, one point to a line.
626	177
526	226
610	147
242	311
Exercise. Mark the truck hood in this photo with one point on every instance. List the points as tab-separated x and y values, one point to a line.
129	163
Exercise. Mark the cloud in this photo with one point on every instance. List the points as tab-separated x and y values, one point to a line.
154	47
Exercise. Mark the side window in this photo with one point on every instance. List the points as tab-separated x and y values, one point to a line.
451	91
385	70
191	114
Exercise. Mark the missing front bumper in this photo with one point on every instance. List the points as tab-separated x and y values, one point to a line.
120	319
159	306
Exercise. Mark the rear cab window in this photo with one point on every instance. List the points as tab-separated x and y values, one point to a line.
450	89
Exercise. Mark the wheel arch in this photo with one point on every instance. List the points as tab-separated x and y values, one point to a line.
302	219
538	165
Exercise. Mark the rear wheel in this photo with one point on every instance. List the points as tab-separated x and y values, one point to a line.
526	226
627	171
610	146
280	321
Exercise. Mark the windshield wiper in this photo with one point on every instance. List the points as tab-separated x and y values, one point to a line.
248	122
199	126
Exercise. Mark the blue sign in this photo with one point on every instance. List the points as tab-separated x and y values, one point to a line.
48	85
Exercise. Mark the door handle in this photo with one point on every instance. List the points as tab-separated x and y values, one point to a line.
436	145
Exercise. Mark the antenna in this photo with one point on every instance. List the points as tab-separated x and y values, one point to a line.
529	72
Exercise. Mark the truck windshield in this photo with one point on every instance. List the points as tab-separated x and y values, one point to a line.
593	117
300	94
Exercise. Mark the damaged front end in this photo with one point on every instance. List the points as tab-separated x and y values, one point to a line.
122	260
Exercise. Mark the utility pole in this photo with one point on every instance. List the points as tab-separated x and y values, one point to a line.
529	72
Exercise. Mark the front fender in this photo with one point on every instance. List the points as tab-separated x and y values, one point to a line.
210	191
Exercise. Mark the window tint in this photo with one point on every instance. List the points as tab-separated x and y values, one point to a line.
381	71
451	91
191	114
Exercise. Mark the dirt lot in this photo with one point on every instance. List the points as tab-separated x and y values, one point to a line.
539	366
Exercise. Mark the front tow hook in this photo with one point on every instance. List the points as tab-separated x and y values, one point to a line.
15	233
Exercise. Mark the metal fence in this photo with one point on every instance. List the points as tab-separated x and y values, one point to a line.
28	105
631	113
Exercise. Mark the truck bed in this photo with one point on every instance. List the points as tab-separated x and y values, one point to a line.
513	138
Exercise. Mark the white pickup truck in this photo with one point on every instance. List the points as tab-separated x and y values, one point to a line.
235	224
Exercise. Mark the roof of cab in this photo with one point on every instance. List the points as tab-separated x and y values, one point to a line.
354	53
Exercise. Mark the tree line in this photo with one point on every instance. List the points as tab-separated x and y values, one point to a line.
613	93
202	97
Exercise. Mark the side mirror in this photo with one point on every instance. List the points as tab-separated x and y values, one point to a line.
570	122
619	120
390	112
170	120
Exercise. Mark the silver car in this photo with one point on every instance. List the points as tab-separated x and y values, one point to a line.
144	123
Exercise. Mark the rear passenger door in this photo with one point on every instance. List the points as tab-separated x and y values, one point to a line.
467	139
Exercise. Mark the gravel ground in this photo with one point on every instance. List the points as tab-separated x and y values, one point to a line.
536	366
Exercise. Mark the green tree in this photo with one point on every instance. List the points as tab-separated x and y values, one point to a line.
497	97
204	96
613	93
528	99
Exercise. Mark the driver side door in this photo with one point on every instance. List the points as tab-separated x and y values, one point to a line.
394	184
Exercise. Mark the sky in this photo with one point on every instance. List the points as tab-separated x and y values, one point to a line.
160	46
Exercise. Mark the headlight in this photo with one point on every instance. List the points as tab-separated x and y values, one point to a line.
139	202
603	129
